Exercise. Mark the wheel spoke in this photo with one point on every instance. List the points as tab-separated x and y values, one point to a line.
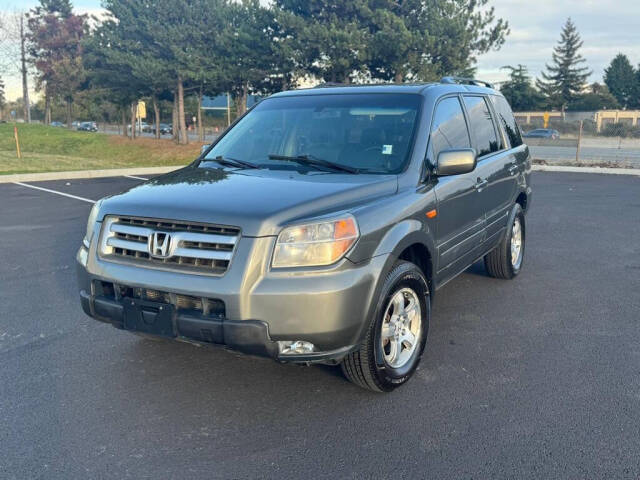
398	303
394	351
409	339
411	311
387	330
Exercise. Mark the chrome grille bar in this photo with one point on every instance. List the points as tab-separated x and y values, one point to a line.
127	244
193	247
209	254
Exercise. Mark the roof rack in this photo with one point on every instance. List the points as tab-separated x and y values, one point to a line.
466	81
331	84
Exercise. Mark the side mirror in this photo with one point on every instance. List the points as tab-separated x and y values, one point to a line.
203	148
456	162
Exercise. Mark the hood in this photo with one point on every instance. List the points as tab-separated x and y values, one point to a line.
257	201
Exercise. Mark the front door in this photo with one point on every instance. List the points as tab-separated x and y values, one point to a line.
460	219
494	177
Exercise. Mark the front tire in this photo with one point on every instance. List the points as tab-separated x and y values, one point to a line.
396	337
505	261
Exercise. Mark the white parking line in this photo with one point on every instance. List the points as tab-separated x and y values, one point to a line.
55	191
137	178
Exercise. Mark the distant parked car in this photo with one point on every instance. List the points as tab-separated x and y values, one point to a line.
143	127
88	127
542	133
57	124
165	129
75	124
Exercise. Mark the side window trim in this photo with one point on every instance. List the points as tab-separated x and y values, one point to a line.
498	103
493	121
433	116
506	144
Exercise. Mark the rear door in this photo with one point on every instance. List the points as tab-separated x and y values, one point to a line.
460	228
495	182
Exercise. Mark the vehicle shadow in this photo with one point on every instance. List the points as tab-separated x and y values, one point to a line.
477	269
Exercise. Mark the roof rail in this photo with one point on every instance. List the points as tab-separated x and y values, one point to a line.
466	81
331	84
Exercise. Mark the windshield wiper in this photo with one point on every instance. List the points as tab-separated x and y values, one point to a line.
314	161
232	162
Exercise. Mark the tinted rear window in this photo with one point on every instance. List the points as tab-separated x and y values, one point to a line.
507	120
486	140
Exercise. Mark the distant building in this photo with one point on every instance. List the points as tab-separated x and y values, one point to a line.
623	117
602	118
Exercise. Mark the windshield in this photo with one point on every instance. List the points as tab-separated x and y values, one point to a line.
368	132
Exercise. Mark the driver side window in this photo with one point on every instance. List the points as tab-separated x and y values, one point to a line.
449	128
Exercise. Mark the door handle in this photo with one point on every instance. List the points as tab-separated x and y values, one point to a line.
513	169
481	183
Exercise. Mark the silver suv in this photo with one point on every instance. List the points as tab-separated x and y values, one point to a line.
318	227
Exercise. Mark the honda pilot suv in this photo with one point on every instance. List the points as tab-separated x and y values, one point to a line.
318	227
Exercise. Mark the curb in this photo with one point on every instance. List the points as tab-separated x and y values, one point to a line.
111	172
118	172
568	169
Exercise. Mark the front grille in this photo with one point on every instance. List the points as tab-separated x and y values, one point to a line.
208	307
192	247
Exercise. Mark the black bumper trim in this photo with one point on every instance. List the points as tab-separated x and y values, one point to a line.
247	336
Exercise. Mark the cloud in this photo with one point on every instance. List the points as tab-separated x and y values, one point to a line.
607	28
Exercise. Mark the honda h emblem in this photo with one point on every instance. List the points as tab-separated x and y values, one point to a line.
160	245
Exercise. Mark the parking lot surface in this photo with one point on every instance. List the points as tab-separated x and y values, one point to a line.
538	377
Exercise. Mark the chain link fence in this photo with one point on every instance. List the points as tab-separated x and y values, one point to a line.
607	138
210	133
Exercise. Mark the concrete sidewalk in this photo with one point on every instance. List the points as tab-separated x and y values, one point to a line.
111	172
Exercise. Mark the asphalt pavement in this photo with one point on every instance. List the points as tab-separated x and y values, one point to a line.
538	377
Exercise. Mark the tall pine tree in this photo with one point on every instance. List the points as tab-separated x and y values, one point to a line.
519	91
564	78
620	77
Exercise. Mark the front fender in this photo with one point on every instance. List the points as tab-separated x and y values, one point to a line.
395	241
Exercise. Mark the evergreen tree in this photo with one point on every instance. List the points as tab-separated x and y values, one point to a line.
405	40
564	78
111	60
454	33
518	90
620	77
597	98
61	7
330	36
165	48
249	53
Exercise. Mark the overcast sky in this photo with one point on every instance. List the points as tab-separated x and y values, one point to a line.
607	28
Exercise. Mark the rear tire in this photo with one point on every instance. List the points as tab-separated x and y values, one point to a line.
505	261
396	336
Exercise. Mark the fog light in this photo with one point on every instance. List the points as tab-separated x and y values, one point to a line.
289	347
83	256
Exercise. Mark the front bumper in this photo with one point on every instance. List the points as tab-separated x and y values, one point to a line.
327	308
247	336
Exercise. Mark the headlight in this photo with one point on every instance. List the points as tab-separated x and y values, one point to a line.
315	244
91	223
